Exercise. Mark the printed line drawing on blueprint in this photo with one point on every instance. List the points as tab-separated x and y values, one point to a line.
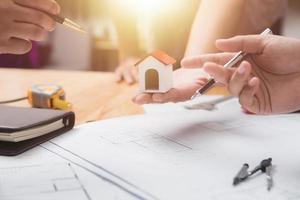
52	181
191	154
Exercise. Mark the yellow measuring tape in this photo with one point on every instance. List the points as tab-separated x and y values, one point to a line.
48	96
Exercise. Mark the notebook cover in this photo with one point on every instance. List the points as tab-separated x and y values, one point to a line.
13	119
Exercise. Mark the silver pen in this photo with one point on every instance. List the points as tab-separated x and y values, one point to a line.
237	58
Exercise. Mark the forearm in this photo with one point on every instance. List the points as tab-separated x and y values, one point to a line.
215	19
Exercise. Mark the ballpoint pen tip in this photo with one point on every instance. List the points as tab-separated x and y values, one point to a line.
74	25
83	30
195	96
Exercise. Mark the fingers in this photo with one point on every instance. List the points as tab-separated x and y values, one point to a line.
248	98
118	75
142	99
29	32
198	61
127	74
239	82
127	71
16	46
182	93
170	96
239	79
36	17
220	73
249	44
49	6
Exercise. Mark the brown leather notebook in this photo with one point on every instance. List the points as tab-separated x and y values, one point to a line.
24	128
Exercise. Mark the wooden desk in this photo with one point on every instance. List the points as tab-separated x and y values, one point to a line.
94	95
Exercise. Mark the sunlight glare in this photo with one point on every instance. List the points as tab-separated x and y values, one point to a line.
148	6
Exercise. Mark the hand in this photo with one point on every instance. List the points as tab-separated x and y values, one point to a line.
267	82
186	82
127	71
22	21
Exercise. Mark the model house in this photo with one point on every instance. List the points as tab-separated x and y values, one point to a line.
156	72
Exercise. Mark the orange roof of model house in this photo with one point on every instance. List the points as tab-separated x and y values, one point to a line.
161	56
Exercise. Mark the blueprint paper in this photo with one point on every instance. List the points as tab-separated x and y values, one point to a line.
40	174
183	154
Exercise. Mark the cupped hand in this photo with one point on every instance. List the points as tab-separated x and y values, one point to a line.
186	82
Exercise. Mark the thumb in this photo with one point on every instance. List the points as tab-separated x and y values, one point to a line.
248	98
249	44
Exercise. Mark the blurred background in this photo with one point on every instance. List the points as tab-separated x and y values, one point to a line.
120	28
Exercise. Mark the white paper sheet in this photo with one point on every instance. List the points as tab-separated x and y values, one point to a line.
52	181
41	174
181	154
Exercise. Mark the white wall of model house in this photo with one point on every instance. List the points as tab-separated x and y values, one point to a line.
165	73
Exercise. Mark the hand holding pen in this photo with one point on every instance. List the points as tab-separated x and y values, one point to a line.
24	20
267	81
187	81
232	62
